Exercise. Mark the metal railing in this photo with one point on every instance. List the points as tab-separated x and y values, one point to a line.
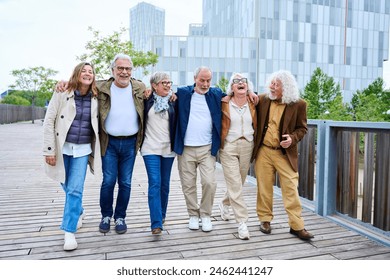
344	174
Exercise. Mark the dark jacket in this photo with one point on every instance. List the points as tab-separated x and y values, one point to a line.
80	131
213	99
148	103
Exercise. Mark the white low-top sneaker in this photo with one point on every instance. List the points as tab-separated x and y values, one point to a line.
243	232
206	223
80	221
70	241
193	222
225	215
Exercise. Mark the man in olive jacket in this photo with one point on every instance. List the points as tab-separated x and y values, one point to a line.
121	110
282	123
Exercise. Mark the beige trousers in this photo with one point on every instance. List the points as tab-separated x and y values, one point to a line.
268	162
235	159
188	163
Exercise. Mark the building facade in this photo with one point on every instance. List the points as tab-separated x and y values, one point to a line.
347	39
146	20
179	56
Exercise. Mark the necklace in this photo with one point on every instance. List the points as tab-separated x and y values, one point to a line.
240	104
239	107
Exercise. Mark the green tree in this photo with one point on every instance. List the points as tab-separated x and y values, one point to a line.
223	84
324	98
15	100
40	100
101	51
45	92
34	82
372	103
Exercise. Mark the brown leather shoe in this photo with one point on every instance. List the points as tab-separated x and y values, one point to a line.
156	231
265	227
302	234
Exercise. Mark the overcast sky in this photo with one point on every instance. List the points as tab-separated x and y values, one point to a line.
52	33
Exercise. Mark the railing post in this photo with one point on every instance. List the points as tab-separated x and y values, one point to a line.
320	170
330	170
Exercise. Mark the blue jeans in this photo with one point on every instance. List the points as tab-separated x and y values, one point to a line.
75	171
117	164
159	175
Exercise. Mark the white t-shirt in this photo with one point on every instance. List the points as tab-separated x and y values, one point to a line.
199	129
122	119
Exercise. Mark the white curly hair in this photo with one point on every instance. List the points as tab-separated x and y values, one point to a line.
289	86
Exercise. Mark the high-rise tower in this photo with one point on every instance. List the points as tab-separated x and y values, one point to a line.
146	20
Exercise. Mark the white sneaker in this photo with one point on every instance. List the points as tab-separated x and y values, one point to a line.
70	241
193	222
80	221
225	215
243	232
206	223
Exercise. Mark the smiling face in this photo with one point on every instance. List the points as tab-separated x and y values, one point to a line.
239	85
276	89
122	72
163	87
86	76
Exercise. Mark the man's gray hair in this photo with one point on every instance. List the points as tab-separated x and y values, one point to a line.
290	88
200	68
120	56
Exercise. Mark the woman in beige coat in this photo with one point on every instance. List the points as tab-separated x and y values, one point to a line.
71	142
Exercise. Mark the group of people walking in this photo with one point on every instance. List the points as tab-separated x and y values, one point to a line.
104	124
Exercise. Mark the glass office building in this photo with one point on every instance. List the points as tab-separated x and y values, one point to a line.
347	39
179	56
146	20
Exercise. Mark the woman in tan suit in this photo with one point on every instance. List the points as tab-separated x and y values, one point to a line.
239	124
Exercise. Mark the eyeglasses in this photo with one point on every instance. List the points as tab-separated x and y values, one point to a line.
242	80
121	68
166	83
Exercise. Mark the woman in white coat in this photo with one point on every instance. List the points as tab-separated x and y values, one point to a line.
71	143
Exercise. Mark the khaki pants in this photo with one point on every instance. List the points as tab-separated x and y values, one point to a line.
269	161
188	163
235	159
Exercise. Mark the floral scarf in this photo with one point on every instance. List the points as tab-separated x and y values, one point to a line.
161	103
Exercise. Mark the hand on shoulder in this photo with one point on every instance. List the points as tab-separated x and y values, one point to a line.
61	86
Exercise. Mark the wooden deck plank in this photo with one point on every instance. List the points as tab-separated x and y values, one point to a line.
384	256
31	206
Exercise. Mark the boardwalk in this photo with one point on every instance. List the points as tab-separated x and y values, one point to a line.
31	209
